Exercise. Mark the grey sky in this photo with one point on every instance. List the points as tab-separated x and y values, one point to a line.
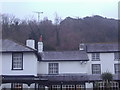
64	9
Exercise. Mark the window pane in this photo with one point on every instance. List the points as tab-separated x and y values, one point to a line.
53	68
96	69
117	68
95	56
117	56
17	61
17	86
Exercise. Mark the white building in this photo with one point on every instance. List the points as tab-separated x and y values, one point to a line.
25	67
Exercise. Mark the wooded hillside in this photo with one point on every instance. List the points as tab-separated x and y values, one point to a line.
66	35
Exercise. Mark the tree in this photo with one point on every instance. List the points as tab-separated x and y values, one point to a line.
57	22
107	77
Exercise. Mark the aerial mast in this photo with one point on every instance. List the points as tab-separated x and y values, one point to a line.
38	15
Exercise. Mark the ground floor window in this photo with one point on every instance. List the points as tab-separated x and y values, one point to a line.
17	86
80	87
40	87
56	87
103	85
68	87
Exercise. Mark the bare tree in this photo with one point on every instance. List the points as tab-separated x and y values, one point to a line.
57	27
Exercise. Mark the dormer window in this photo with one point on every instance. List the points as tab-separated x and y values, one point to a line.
95	56
17	61
117	56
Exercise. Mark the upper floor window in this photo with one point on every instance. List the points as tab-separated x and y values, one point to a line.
53	68
117	56
95	56
17	61
96	69
117	68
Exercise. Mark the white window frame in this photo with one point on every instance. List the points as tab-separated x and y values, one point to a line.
56	87
17	86
95	56
81	87
17	61
53	68
117	56
68	87
117	68
96	68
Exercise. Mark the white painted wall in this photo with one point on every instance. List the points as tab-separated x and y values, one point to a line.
29	64
0	63
33	67
6	86
30	43
64	67
106	61
89	86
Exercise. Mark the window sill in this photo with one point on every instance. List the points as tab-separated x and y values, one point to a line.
54	74
96	74
116	59
96	60
16	69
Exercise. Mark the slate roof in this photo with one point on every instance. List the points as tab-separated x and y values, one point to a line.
75	77
65	77
12	46
64	55
103	47
98	77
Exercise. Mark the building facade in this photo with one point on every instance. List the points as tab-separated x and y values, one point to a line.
25	67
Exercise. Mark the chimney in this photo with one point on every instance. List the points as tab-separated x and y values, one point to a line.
82	47
40	45
30	43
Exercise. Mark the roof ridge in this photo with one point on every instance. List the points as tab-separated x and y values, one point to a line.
104	43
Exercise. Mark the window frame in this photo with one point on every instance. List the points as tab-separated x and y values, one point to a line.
14	86
117	56
53	68
115	70
95	56
94	72
13	61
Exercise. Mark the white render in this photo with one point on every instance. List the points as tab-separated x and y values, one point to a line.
0	63
106	60
29	64
89	86
65	67
40	47
30	43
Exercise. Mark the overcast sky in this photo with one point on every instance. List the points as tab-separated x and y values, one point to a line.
64	8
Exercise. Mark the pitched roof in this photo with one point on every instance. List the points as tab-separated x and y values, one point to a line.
65	77
103	47
78	77
12	46
64	55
